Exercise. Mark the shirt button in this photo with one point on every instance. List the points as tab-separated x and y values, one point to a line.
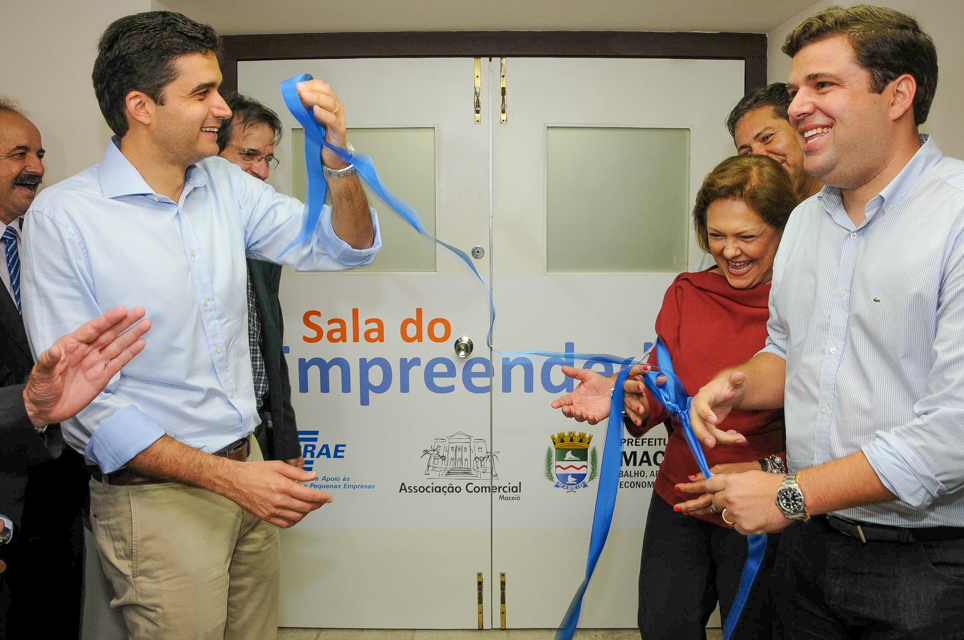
854	235
217	349
231	394
833	351
193	254
154	199
205	302
842	293
824	408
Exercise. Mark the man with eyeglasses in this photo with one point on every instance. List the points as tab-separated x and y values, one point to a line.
247	139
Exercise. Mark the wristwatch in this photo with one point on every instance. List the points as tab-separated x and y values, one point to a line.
790	499
340	173
773	464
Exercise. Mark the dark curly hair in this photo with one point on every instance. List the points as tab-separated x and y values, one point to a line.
137	53
886	43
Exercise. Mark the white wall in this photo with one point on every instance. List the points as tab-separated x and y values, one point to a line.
942	19
48	50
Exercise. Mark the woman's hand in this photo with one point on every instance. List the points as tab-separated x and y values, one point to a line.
697	484
590	401
634	397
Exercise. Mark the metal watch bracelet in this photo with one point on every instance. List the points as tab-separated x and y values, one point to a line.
339	173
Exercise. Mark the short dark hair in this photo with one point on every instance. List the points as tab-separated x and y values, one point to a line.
10	106
773	95
760	182
246	112
137	53
886	43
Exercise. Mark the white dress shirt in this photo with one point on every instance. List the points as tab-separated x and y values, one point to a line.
870	321
104	238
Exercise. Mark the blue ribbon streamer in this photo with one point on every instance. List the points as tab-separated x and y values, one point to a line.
673	397
612	453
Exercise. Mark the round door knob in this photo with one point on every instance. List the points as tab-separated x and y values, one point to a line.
463	347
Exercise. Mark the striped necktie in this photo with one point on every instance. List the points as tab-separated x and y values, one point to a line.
13	263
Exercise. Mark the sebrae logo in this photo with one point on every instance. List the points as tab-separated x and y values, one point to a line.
571	463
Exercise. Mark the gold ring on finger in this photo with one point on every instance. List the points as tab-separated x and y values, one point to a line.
723	515
713	508
337	107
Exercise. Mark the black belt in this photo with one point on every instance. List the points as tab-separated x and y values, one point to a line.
237	450
866	532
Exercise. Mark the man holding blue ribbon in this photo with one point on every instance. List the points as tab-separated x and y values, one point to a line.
184	510
864	349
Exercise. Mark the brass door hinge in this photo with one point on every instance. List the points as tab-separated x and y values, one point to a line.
502	597
502	87
479	578
478	94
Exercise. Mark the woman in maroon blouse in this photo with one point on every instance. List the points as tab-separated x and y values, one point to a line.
709	321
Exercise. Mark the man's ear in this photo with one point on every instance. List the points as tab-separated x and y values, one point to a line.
902	90
140	107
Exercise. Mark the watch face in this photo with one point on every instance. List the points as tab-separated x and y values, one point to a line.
790	500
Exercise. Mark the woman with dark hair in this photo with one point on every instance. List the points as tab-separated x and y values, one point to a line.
710	320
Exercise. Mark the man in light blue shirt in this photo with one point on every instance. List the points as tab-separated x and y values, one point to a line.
184	512
865	348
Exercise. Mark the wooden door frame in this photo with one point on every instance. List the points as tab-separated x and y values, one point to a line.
749	47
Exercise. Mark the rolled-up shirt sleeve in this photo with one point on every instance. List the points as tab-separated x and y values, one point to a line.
273	220
776	342
58	296
923	459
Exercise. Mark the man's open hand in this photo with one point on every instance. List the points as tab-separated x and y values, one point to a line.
77	367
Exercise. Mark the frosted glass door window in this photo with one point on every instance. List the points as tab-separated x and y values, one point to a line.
405	159
617	199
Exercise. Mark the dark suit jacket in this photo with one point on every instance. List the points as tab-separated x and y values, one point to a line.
281	441
43	495
20	444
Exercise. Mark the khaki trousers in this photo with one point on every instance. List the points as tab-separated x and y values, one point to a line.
186	563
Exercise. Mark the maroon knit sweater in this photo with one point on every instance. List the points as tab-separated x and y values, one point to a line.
708	326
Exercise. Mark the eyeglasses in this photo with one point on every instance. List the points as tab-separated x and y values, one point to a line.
253	156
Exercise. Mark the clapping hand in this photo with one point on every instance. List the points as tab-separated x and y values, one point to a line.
590	401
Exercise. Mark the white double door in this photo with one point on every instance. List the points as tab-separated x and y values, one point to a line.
443	476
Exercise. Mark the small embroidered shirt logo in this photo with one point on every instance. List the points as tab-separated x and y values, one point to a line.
876	299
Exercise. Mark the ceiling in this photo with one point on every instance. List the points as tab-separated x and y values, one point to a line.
232	17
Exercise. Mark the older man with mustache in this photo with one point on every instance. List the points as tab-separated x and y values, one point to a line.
42	485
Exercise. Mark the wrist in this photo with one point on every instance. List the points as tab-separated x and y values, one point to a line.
220	476
791	500
34	414
334	162
773	464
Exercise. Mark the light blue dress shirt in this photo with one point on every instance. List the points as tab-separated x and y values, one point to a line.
870	321
104	238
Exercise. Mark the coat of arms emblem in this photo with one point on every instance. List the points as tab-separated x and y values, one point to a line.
571	463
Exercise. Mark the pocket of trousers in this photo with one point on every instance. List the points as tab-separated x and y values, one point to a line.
945	559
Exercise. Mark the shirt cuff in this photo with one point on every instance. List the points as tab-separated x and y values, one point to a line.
902	471
121	437
774	348
339	250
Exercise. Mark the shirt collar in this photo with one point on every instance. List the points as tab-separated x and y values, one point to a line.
926	157
15	225
119	178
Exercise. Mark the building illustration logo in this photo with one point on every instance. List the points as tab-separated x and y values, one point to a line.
571	463
460	457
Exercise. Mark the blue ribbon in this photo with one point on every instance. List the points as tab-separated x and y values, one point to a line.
673	397
612	453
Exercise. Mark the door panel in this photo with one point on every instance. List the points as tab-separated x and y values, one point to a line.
626	121
373	370
593	177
